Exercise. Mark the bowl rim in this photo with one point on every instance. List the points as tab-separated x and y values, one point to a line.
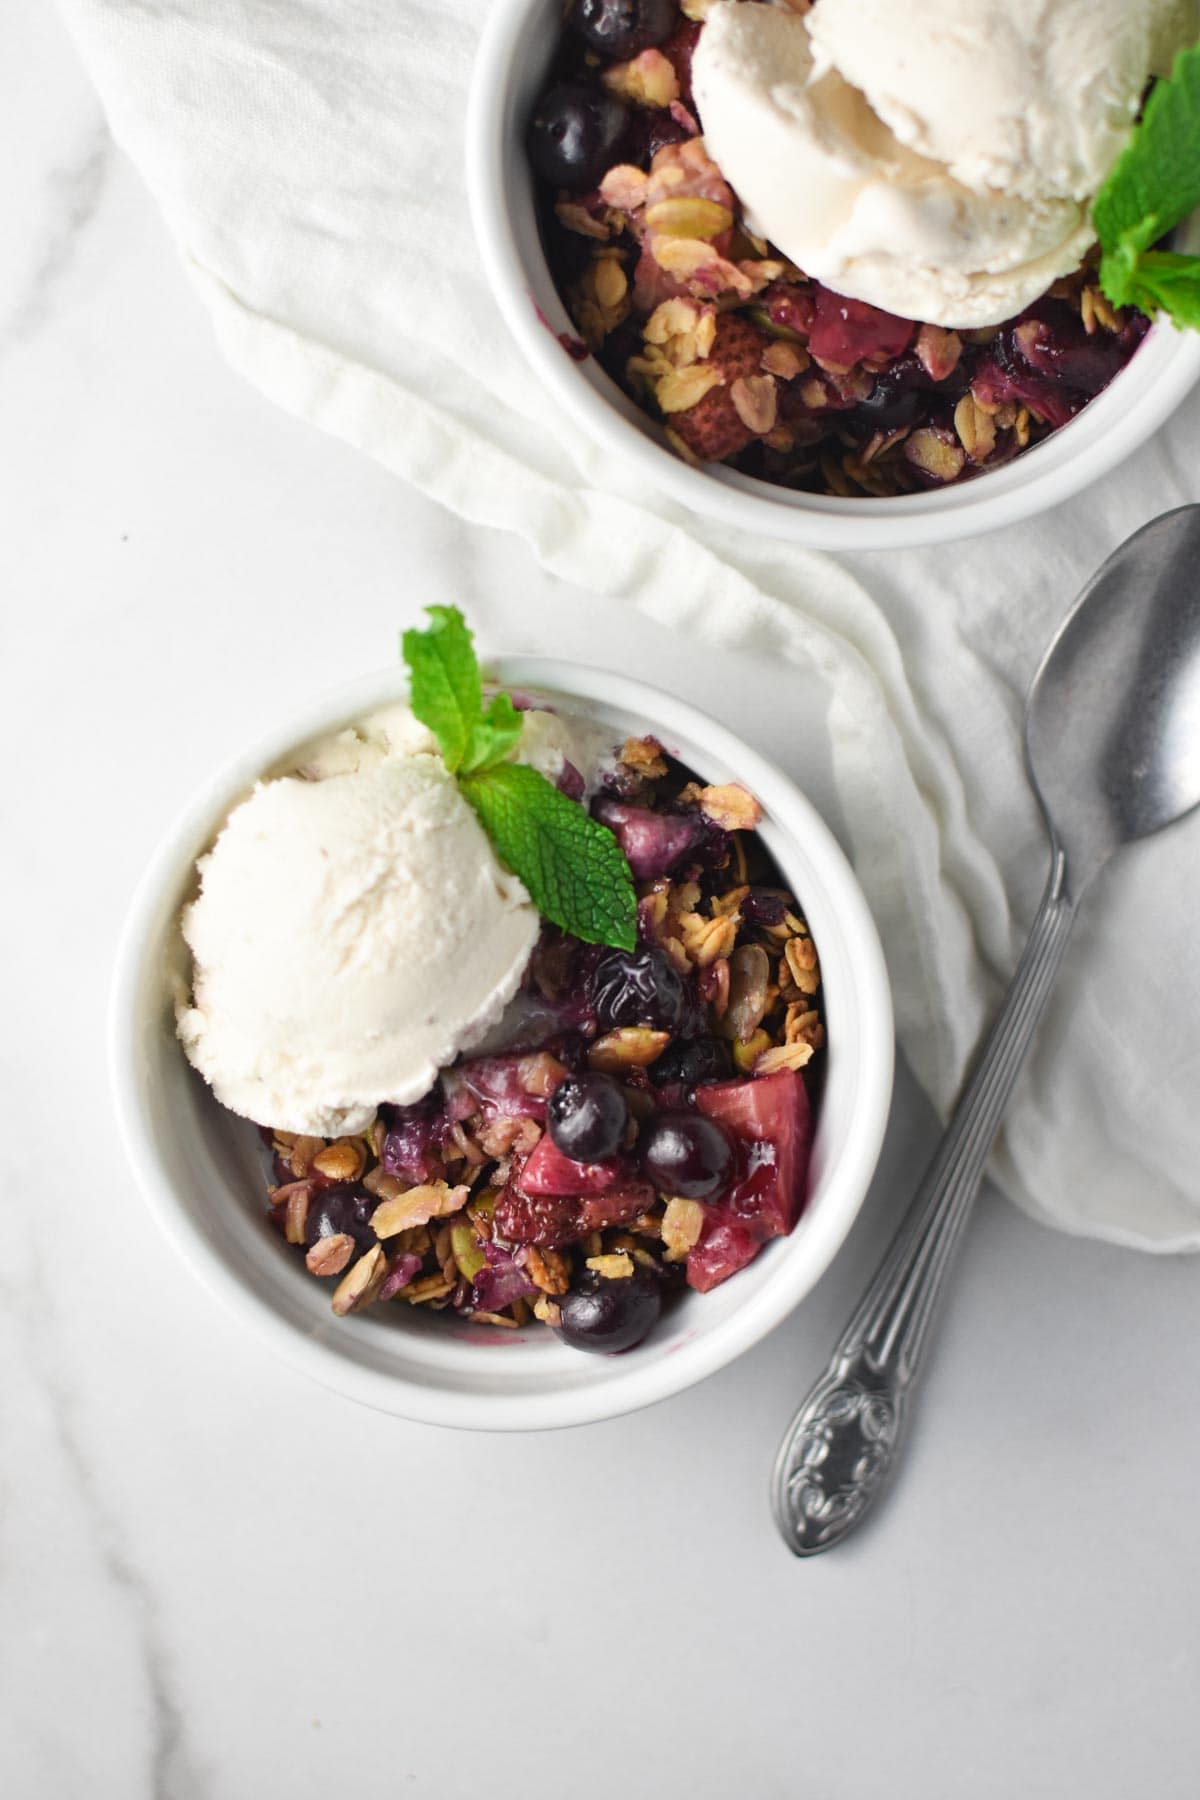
1108	430
705	1351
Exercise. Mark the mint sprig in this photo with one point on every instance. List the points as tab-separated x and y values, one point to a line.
572	865
1154	186
447	694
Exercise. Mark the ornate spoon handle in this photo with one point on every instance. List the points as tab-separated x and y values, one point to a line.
838	1450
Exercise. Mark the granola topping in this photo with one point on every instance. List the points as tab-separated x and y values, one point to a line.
654	1134
743	357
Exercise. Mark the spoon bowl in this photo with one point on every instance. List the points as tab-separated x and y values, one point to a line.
1112	725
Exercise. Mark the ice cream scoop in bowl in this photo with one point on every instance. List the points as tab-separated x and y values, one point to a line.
202	1168
968	474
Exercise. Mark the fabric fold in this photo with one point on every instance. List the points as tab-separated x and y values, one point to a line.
308	163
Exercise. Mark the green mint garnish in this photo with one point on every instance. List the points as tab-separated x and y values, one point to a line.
573	867
447	694
571	864
1154	186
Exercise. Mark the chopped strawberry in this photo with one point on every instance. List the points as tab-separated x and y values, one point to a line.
532	1218
1049	364
725	1246
1058	347
993	385
713	429
771	1119
615	1207
792	307
848	331
544	1219
548	1171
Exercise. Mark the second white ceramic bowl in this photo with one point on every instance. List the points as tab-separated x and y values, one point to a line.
201	1168
514	55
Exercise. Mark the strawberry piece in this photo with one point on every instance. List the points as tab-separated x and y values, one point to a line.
725	1246
548	1171
551	1199
616	1207
553	1219
772	1122
847	331
993	384
1059	348
546	1219
712	429
792	307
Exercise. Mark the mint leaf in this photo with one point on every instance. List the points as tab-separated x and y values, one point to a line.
444	682
1170	283
496	735
1158	173
447	694
574	868
1154	185
1119	265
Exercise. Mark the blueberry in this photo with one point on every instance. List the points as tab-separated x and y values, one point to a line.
761	907
651	129
605	1316
638	987
574	134
887	410
896	398
586	1117
623	28
691	1061
685	1154
343	1208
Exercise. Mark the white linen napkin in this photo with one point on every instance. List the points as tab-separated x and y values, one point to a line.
307	157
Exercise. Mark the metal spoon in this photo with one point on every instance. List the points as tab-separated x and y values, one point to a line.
1112	746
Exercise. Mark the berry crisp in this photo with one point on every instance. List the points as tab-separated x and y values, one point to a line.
731	348
645	1123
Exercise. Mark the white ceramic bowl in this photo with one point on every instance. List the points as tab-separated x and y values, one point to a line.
201	1168
512	60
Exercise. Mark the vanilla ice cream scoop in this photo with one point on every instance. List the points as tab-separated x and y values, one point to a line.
351	935
936	158
1034	98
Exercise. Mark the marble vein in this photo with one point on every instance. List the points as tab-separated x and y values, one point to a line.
172	1768
73	191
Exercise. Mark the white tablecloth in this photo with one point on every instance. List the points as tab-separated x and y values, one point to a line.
307	159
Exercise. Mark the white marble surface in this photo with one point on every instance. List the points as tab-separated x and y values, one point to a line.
219	1581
